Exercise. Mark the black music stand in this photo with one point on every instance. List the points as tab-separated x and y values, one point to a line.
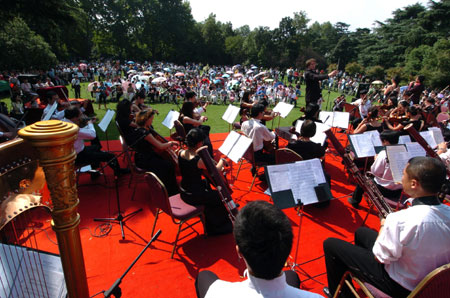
285	199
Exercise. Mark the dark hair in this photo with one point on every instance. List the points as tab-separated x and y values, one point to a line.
263	234
412	110
311	111
189	95
123	109
394	100
396	80
391	136
194	137
308	129
429	172
50	94
187	109
404	103
256	109
372	113
421	78
71	112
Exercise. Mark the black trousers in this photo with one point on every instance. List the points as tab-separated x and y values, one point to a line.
390	194
206	278
342	256
94	156
261	156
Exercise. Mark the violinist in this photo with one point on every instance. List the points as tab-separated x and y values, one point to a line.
196	191
190	119
339	103
259	133
138	103
400	110
52	98
386	109
413	117
371	122
125	120
146	157
198	107
246	105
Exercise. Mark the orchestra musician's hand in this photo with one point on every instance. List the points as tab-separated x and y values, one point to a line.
442	148
203	118
333	73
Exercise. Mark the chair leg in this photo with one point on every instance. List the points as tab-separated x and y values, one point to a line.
176	239
253	181
154	223
134	191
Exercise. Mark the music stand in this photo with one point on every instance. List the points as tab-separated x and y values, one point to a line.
283	196
103	125
235	146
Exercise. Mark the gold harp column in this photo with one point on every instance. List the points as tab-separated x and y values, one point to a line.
54	141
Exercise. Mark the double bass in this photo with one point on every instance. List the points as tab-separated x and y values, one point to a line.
169	153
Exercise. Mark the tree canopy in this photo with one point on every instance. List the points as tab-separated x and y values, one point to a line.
415	40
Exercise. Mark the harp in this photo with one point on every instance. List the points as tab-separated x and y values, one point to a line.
38	194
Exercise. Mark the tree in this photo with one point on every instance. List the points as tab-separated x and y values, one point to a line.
354	68
375	72
24	49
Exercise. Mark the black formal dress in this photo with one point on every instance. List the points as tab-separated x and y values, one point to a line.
196	191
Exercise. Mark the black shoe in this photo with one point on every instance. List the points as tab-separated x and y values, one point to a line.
354	203
253	170
327	293
95	175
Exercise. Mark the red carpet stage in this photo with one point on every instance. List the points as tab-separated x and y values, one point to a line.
156	275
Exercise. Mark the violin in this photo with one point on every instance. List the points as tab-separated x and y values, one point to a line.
168	154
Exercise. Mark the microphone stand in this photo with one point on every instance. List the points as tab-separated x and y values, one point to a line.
120	218
115	289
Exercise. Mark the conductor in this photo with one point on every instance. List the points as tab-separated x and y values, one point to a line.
312	79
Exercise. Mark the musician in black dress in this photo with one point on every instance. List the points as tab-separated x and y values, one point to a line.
146	157
413	117
196	191
190	119
306	148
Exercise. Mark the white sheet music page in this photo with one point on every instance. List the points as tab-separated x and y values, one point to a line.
437	134
398	159
230	113
279	177
283	108
429	138
340	119
170	119
106	120
404	139
374	137
327	118
235	145
304	176
362	144
320	135
415	149
51	111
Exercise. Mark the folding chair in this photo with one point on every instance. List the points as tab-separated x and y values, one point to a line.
286	155
174	206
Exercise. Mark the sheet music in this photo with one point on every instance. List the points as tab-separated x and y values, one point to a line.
231	113
429	138
304	176
235	145
10	270
106	120
437	134
320	135
283	108
335	119
362	144
404	139
398	159
374	137
50	113
170	119
415	149
279	177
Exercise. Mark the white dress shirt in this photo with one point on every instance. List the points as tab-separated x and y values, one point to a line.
414	242
85	133
382	171
257	287
257	132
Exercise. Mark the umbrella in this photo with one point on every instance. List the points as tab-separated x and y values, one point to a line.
235	82
205	80
159	74
226	76
378	82
179	74
229	72
261	74
82	66
268	80
238	75
159	80
249	72
147	73
91	85
254	67
130	62
167	69
277	84
143	78
125	85
131	71
217	81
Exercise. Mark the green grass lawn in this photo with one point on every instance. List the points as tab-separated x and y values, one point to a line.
214	114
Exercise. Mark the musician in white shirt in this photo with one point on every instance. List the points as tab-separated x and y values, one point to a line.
410	244
53	98
255	130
